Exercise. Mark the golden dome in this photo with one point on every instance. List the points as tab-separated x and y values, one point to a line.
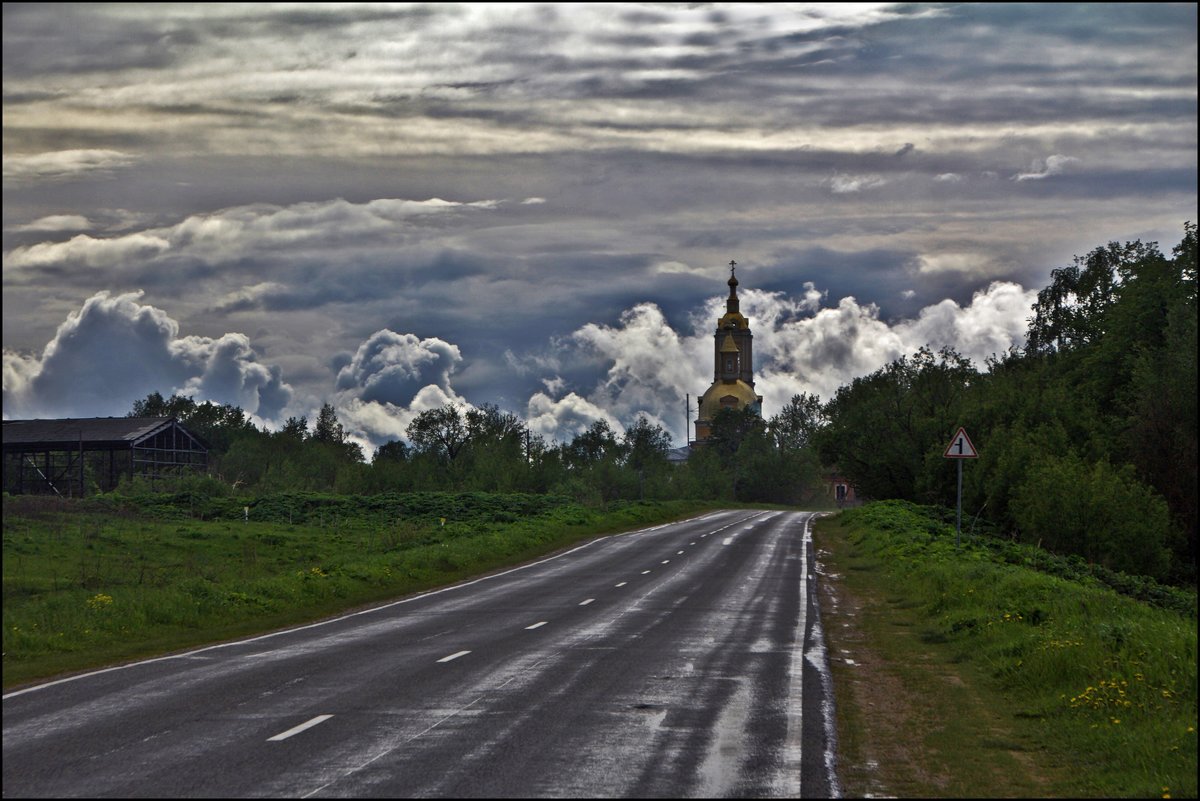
742	393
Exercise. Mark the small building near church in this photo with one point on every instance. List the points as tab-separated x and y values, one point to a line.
840	491
733	366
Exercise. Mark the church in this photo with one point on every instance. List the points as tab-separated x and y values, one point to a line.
733	366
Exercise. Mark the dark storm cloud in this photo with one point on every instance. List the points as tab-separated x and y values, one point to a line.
74	39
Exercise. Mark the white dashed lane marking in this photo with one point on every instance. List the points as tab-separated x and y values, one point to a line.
535	626
585	603
623	583
453	656
297	729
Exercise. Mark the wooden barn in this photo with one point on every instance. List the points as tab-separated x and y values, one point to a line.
72	456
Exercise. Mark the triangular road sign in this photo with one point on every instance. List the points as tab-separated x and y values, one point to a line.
960	447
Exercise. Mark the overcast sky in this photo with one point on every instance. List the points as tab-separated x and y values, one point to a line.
391	207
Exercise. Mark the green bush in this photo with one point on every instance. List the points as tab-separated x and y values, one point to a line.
1103	514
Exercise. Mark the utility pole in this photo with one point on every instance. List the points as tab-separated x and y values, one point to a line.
687	420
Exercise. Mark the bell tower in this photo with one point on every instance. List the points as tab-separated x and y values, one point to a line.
733	365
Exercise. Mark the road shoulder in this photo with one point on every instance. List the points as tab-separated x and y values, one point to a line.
912	721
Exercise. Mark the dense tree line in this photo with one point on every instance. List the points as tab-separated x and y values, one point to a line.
1087	438
487	449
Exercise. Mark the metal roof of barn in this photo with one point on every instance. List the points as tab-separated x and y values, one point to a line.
94	431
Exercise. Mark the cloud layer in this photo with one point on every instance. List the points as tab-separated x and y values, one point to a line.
395	207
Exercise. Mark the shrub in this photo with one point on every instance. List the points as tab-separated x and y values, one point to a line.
1096	511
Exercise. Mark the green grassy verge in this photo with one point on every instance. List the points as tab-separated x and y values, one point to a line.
90	583
990	677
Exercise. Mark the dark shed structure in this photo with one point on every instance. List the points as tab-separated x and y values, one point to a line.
60	456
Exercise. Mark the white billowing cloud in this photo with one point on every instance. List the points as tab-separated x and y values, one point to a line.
1053	165
391	368
566	417
996	320
233	233
89	251
817	354
56	222
845	184
372	423
965	263
650	369
63	164
232	374
115	350
249	296
19	372
834	346
391	379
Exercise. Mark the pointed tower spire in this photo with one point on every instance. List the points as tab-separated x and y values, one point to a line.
731	304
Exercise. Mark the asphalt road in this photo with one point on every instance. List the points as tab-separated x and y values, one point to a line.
681	660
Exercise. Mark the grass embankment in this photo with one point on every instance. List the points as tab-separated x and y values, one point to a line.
961	674
90	583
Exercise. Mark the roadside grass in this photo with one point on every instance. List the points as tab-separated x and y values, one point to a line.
92	583
1004	680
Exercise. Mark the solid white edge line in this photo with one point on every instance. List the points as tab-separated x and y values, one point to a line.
453	656
793	749
297	729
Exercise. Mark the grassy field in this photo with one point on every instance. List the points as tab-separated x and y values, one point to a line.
992	670
90	583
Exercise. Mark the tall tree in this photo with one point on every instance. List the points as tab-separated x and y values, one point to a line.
440	432
645	446
294	429
328	430
798	422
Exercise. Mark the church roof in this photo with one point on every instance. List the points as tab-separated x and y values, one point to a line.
710	401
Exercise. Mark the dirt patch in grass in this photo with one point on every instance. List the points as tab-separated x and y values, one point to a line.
913	720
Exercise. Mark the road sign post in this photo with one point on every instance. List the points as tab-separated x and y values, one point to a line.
960	448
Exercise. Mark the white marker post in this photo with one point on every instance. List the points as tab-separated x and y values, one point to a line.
960	448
